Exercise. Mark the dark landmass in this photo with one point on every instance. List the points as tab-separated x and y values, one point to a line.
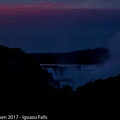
24	90
89	56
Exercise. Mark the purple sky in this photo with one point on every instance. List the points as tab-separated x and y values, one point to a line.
83	3
39	26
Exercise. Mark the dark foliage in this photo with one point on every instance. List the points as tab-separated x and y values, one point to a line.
20	77
89	56
24	90
99	99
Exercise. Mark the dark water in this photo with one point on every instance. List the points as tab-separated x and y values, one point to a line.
72	74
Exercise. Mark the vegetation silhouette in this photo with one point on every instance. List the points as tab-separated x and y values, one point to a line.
88	56
24	89
21	78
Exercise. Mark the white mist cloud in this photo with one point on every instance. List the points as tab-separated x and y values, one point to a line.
112	67
81	74
109	69
114	47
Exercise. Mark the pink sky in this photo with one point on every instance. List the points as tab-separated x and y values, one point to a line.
37	8
34	12
54	21
45	9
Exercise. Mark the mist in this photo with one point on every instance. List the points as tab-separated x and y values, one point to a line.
108	69
112	66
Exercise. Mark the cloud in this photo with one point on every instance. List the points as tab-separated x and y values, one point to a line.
89	3
109	69
69	3
112	67
83	1
18	1
114	47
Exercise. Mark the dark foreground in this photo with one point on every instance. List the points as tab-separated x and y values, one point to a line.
97	100
24	90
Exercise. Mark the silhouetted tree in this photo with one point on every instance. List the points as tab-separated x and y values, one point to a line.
88	56
22	81
21	77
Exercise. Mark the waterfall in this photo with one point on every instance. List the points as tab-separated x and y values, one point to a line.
73	75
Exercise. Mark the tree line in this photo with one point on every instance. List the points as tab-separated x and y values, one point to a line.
88	56
24	89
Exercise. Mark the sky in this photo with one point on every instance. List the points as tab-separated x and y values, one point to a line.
58	25
92	3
